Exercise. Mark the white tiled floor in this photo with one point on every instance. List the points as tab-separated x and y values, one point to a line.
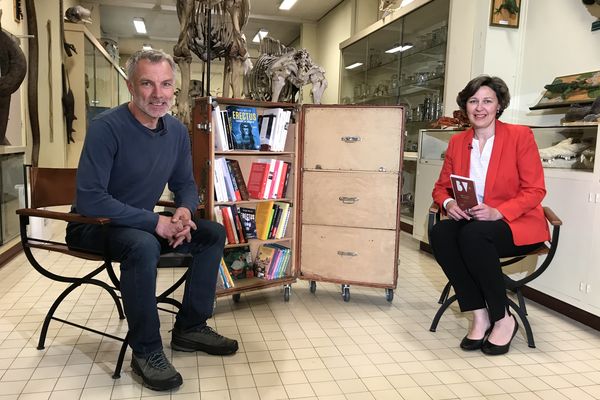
316	346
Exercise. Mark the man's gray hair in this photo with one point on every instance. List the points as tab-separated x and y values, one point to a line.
152	55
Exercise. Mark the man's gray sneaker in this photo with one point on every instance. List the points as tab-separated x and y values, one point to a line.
202	339
156	371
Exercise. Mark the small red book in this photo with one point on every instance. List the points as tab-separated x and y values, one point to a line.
257	179
464	191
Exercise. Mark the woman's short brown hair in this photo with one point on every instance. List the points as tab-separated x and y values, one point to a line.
494	83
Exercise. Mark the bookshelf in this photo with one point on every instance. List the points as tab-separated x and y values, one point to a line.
203	158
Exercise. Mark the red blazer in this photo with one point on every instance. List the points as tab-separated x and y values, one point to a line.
514	182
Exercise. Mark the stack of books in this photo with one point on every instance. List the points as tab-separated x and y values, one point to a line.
272	219
241	128
224	279
272	261
268	179
274	125
236	128
228	181
239	222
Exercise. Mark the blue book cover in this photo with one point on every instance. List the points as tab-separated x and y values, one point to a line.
244	127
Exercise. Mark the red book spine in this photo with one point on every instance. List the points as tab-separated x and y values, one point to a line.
257	179
228	226
238	224
284	172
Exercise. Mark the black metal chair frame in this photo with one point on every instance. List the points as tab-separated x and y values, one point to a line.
514	285
64	185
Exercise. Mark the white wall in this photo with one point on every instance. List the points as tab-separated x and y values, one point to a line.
334	28
461	49
309	41
558	42
553	39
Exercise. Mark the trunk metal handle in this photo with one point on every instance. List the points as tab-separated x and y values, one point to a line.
348	200
347	253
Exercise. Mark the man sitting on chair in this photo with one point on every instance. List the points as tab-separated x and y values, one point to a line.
130	153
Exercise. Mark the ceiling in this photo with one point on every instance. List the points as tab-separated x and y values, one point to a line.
163	27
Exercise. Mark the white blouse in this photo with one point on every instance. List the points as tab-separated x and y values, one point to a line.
480	160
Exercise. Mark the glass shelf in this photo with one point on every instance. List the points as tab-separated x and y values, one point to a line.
414	78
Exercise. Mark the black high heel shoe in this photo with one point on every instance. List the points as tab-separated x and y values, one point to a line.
492	349
474	344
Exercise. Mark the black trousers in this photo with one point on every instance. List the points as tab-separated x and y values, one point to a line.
469	252
138	252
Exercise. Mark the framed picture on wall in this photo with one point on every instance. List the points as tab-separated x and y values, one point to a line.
505	13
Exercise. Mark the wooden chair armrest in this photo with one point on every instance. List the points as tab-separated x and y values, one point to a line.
551	217
171	204
166	203
434	208
62	216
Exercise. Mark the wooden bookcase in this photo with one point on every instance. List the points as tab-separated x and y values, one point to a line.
203	158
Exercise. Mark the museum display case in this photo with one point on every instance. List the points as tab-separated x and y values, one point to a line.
401	61
12	197
96	80
106	84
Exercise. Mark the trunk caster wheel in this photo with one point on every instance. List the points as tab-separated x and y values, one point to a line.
287	289
389	295
236	297
346	292
313	286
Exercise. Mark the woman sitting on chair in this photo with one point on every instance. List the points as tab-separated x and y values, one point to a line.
504	162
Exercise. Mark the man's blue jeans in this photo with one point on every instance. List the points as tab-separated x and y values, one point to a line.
138	252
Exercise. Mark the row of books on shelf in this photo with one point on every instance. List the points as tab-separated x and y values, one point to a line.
242	128
269	220
271	262
268	179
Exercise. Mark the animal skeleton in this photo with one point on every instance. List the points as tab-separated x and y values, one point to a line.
225	39
566	149
281	71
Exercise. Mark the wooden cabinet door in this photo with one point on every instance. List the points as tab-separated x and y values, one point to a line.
349	255
357	199
353	138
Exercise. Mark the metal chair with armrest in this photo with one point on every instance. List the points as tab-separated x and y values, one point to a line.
514	285
52	187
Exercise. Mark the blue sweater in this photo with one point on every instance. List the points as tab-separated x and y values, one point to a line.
125	166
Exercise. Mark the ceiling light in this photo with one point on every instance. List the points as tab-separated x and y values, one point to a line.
146	46
259	35
406	2
140	26
355	65
399	48
287	4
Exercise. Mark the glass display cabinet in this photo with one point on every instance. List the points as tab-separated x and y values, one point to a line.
567	147
105	82
12	196
97	81
401	62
